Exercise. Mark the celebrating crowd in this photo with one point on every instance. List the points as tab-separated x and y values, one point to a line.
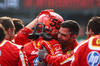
48	40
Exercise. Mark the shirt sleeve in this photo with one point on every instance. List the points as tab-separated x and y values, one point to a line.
22	37
59	60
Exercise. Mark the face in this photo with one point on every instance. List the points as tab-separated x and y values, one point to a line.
64	36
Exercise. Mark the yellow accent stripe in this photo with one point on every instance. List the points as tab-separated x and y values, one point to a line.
47	43
22	58
66	59
51	48
2	42
35	44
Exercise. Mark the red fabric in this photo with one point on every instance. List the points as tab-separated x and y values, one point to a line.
88	53
11	54
32	48
53	46
22	37
59	60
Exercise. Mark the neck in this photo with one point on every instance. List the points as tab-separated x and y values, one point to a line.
68	45
65	47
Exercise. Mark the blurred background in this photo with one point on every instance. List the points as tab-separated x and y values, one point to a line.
78	10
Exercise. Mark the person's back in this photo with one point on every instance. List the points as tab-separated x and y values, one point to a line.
90	52
10	54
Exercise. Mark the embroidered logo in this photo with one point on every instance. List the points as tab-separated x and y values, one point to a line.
36	61
98	41
33	52
38	43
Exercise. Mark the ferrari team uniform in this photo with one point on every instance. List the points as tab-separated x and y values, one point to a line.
31	49
62	60
11	54
22	37
88	53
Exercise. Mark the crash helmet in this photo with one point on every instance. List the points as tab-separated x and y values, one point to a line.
51	21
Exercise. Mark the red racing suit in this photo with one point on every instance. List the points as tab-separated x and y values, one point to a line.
62	60
31	49
22	37
52	46
88	53
11	54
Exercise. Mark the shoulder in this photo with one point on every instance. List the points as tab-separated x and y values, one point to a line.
94	42
51	42
13	45
81	45
29	47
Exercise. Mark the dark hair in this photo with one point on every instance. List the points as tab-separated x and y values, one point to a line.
72	25
7	23
94	24
2	33
18	24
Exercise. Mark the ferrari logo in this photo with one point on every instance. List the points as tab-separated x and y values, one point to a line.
98	41
68	51
38	43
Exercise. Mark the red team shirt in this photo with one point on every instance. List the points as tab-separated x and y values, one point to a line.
31	49
22	37
11	54
62	60
88	53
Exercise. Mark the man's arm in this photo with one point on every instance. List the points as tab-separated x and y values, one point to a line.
22	37
55	60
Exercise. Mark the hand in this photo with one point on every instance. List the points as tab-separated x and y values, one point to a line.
42	63
42	53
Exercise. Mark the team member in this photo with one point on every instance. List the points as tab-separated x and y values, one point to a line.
10	54
45	32
88	53
68	32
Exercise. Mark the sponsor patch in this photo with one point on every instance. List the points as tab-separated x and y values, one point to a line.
36	61
98	41
93	58
33	52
